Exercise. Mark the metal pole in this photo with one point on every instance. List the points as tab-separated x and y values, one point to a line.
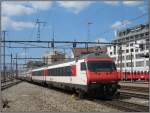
4	66
11	67
131	68
0	64
88	38
16	67
149	39
121	59
87	47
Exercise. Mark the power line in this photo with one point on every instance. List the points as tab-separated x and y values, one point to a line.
59	42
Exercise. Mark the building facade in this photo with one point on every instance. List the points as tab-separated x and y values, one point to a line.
53	57
82	51
134	44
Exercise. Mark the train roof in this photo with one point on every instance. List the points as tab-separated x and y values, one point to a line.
91	55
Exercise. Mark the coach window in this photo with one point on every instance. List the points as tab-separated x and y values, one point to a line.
83	66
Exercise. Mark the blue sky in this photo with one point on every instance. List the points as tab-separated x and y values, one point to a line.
69	20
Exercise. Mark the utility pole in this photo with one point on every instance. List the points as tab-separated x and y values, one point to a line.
25	51
38	23
4	66
131	68
149	39
16	67
11	67
0	62
120	58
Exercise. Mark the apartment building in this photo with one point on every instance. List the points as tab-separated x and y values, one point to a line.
134	44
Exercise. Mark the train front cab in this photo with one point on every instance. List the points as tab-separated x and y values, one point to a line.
102	76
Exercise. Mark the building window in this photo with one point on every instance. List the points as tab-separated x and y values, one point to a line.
131	50
119	58
110	53
131	38
127	39
128	57
119	65
138	56
127	51
131	44
147	33
128	64
136	36
127	45
136	50
140	64
141	35
114	50
147	44
147	63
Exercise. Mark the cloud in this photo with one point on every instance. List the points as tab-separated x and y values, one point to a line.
24	8
112	2
40	5
120	24
16	25
11	9
101	40
19	25
132	3
5	21
74	6
144	9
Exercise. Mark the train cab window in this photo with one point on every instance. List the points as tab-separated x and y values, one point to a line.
96	66
83	66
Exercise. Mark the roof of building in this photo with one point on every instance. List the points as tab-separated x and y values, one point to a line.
82	51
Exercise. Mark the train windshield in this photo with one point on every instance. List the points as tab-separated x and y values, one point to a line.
97	66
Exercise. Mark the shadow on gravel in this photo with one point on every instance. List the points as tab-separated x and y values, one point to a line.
74	94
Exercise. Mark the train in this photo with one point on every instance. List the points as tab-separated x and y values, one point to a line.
91	74
136	75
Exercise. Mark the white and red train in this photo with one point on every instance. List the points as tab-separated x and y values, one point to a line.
139	75
94	73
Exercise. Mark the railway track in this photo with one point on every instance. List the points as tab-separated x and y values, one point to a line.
137	89
9	84
126	93
124	106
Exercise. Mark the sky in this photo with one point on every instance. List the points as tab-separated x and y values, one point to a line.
69	20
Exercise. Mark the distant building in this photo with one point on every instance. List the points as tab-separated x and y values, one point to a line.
135	43
81	51
53	57
34	64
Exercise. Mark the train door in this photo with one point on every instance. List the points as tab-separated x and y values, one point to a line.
45	74
82	71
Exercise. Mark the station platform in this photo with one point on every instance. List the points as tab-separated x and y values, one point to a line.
135	84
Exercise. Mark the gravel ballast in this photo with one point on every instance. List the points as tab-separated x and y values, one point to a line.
26	97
